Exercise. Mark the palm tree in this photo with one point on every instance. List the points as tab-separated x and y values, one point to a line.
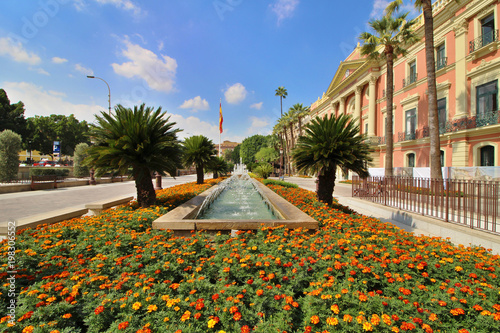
299	112
435	149
281	92
198	150
328	143
218	166
136	142
393	35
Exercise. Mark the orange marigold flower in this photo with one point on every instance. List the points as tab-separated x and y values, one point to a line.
463	330
433	317
186	316
457	311
99	309
67	315
28	329
367	326
136	305
332	321
123	325
347	318
237	316
335	308
314	320
152	307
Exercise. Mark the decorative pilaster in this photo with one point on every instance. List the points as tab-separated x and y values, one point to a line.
357	105
371	105
461	50
342	106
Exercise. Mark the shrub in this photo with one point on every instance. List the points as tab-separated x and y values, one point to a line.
279	182
10	145
263	170
80	170
49	172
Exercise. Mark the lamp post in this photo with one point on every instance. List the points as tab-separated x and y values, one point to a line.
281	162
30	151
109	90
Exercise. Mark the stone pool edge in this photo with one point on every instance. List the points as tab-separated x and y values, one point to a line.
181	218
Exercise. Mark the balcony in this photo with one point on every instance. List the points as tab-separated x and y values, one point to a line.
441	63
410	79
483	40
419	133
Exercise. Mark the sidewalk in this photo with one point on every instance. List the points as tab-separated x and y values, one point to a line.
417	224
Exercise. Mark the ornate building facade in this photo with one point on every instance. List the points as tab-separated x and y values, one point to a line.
467	53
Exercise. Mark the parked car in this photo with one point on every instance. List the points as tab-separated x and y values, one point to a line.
43	164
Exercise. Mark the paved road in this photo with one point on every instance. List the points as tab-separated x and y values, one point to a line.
22	204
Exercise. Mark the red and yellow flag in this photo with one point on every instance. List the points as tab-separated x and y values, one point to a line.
221	119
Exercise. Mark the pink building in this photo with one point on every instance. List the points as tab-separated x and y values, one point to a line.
468	70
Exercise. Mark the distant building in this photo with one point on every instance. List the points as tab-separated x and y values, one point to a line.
226	145
467	53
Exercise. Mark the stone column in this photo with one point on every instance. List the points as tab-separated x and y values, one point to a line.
357	105
342	106
461	50
371	105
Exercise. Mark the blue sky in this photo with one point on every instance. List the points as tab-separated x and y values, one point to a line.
182	55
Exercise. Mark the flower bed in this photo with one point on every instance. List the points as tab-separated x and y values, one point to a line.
113	273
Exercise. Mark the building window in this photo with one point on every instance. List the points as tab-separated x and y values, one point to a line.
487	30
487	156
411	123
441	103
366	128
487	103
411	160
442	158
441	59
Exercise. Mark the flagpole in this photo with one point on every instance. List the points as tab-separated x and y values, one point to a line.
220	132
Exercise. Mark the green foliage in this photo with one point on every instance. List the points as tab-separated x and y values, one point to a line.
12	115
235	154
279	183
267	155
135	142
218	166
62	172
250	146
43	131
198	150
263	170
10	145
79	169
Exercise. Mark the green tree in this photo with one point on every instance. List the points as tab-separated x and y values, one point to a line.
392	36
298	112
10	145
198	150
263	170
235	154
328	143
430	63
282	93
267	155
250	146
218	166
79	168
136	142
12	115
44	130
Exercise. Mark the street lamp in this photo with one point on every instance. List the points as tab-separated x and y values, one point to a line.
281	162
109	90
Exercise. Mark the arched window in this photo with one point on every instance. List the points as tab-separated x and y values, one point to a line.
410	159
487	156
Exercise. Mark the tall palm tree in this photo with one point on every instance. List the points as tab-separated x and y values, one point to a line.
198	150
218	166
435	149
299	112
328	143
281	92
136	142
392	36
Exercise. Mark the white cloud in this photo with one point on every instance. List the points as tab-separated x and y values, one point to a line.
83	70
258	126
17	52
40	102
57	60
284	8
161	45
379	7
196	104
257	106
121	4
159	73
235	93
42	71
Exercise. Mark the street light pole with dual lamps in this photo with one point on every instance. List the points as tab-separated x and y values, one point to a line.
109	90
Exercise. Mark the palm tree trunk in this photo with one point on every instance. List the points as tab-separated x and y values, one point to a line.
326	184
292	144
146	195
435	149
389	144
199	174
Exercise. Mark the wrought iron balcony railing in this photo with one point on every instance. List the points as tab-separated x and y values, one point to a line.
441	63
483	40
412	78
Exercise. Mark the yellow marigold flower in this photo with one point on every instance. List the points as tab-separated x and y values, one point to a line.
335	308
315	319
152	308
332	321
136	305
28	329
458	269
395	329
211	323
367	326
67	315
